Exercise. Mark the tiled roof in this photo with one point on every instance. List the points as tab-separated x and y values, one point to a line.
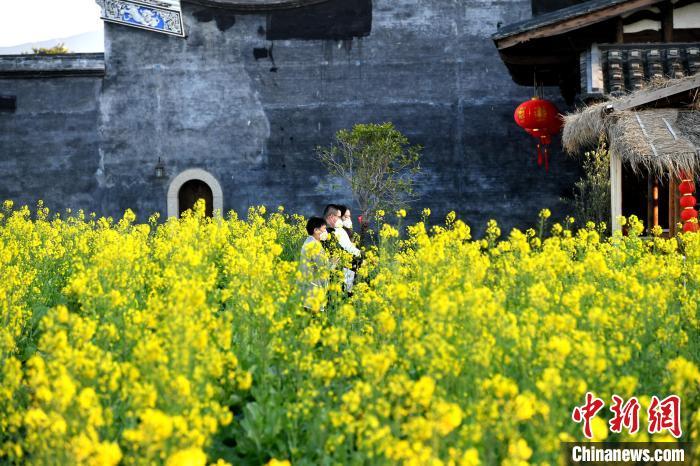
626	66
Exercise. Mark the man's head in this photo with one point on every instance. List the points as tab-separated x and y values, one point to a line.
316	227
331	215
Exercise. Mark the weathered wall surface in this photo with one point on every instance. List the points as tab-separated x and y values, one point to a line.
545	6
49	144
250	110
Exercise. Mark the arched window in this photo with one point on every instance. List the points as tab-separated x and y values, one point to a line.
191	185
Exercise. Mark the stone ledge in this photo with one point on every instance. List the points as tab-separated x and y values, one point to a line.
47	66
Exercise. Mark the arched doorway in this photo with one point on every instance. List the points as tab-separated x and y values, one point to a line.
182	194
190	192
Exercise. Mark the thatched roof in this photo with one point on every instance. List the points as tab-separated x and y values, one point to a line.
661	140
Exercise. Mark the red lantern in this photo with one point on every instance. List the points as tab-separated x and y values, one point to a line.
687	214
687	202
689	226
541	120
686	186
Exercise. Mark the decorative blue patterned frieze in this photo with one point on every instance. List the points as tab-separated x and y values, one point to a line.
155	15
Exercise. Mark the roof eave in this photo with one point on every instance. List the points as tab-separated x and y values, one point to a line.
565	20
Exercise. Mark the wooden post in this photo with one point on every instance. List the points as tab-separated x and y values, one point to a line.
619	34
650	204
615	191
667	21
655	202
673	207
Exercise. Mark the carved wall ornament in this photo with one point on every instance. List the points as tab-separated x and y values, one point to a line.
163	16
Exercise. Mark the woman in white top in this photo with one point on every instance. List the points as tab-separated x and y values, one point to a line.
342	226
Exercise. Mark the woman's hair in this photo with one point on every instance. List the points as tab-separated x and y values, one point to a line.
313	223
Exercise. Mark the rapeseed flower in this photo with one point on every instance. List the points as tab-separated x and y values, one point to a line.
128	343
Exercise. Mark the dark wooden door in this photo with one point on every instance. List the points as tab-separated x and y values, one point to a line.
193	190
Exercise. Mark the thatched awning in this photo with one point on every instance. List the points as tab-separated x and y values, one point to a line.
661	140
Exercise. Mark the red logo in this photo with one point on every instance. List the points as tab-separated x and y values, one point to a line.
663	414
587	412
624	415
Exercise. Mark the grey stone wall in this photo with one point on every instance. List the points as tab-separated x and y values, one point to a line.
252	119
49	144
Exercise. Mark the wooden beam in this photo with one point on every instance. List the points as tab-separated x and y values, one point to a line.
538	60
570	24
645	97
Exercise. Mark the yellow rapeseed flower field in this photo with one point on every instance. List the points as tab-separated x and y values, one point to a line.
187	342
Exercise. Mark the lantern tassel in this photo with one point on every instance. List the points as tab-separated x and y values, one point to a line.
546	158
539	155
